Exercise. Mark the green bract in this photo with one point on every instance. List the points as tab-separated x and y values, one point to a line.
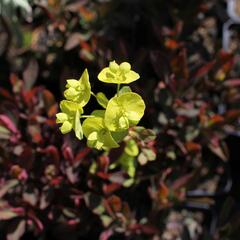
70	107
124	111
124	89
98	136
79	90
104	129
67	123
70	118
77	126
118	74
102	99
131	148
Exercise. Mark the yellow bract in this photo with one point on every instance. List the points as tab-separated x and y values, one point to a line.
124	111
118	74
98	136
79	90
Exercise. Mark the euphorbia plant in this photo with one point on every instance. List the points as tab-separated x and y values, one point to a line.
105	128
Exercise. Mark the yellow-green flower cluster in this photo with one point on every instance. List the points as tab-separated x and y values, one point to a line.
103	128
77	95
118	74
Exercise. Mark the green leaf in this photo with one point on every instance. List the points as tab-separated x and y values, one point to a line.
106	220
119	136
108	140
146	134
85	88
93	168
79	91
125	89
91	125
98	113
128	164
78	127
124	111
146	155
149	153
98	135
102	99
129	182
27	39
142	158
131	148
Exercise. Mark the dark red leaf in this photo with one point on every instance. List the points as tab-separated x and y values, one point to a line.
171	44
36	220
181	181
202	71
115	203
110	188
68	154
149	229
5	93
52	151
193	147
49	102
233	114
215	119
163	191
103	175
82	154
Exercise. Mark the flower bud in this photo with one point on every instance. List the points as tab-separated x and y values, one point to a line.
114	67
125	67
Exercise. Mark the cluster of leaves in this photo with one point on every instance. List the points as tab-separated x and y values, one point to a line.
48	40
191	90
37	166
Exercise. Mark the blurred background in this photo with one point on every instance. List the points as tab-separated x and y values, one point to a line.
184	182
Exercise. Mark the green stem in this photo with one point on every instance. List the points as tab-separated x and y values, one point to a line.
118	88
86	116
94	94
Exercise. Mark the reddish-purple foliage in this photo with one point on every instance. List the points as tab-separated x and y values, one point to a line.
54	187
